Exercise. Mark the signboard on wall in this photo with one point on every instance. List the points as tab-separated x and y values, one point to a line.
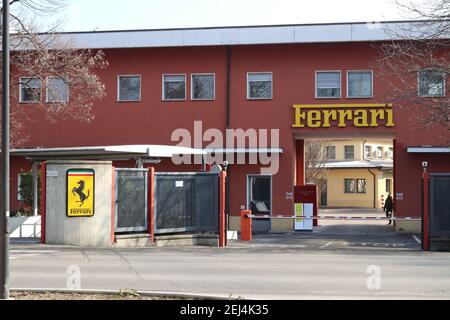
80	192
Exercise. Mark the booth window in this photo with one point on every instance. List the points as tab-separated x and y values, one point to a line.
129	88
174	87
331	152
431	83
361	185
203	86
30	90
359	84
349	185
349	152
259	85
57	90
328	84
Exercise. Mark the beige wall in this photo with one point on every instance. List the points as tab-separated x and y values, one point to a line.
359	147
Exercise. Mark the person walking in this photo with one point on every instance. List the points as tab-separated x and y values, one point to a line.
388	207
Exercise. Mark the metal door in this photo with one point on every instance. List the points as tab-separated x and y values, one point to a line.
440	205
259	200
131	212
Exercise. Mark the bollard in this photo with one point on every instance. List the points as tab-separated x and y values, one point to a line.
246	226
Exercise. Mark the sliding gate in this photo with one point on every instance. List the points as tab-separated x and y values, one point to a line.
131	200
186	202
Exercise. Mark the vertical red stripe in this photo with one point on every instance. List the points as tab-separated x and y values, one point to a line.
151	203
43	199
113	205
222	230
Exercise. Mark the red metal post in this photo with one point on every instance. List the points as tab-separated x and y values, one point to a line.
113	206
425	224
43	198
246	226
222	231
151	203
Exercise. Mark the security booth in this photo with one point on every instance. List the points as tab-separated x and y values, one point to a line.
92	203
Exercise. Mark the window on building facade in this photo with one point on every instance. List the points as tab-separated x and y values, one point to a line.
368	152
57	90
174	87
30	90
391	153
328	84
349	152
20	178
431	83
359	84
379	152
202	87
388	185
331	152
361	185
259	85
129	88
349	185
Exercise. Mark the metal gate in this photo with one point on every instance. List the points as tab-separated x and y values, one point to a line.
440	205
186	202
131	200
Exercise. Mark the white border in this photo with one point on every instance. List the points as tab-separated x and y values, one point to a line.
20	90
185	86
118	87
371	84
340	84
271	85
192	86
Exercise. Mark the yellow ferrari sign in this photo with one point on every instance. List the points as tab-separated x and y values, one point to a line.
80	192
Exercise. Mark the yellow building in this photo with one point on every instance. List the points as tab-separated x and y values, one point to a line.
356	173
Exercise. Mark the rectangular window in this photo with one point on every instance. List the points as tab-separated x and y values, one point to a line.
30	90
359	84
174	87
259	85
57	90
202	87
129	88
349	152
379	152
331	152
431	83
361	185
368	152
349	185
391	153
20	181
328	84
388	185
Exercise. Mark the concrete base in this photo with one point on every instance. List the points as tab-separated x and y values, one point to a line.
278	225
412	227
210	240
133	240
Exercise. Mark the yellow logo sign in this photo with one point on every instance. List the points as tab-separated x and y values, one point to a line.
80	192
341	115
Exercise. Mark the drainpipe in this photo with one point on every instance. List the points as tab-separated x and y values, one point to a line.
374	188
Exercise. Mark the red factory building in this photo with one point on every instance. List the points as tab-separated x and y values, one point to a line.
296	82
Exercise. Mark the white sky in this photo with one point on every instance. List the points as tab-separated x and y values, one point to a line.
88	15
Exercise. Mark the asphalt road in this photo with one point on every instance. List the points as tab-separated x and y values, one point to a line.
339	263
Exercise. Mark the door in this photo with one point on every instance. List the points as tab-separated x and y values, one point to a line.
131	212
259	200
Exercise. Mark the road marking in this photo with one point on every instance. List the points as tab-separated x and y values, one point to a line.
417	239
326	245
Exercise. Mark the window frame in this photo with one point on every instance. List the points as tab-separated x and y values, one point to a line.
371	84
345	154
345	185
444	93
163	86
214	86
19	182
118	87
357	185
340	83
20	91
326	150
271	85
369	155
46	91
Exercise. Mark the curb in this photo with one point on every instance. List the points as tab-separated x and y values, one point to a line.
160	294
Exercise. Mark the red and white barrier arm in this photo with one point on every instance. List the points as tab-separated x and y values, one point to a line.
331	217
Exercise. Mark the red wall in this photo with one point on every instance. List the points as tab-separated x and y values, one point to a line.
152	120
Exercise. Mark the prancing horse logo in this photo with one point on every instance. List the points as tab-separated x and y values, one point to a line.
79	191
